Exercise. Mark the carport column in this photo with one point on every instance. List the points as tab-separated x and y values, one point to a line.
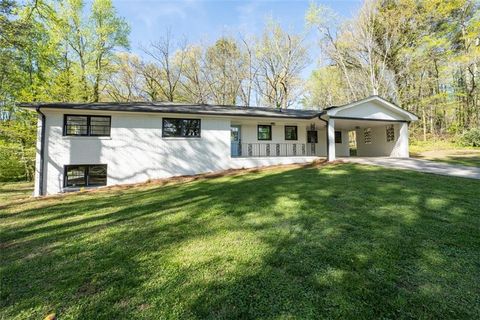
331	139
403	140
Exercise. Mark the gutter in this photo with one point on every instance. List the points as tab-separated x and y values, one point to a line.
326	131
42	148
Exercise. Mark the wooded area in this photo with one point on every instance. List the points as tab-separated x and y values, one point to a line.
423	55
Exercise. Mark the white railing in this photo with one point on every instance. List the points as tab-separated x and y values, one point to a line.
272	149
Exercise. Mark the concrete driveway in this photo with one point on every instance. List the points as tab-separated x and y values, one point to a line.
441	168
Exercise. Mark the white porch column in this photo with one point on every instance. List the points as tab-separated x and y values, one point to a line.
331	139
403	140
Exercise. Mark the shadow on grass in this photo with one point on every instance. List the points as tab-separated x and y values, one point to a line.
471	161
341	242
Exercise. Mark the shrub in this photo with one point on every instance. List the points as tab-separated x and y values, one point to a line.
16	163
471	138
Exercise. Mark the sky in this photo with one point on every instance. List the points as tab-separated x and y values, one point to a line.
204	21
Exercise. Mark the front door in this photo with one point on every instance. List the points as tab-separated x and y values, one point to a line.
312	136
235	137
312	140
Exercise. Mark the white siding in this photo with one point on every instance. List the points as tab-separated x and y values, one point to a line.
369	110
136	151
342	149
380	146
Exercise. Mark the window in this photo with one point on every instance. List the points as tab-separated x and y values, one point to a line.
390	133
99	126
367	135
185	128
264	132
235	133
338	136
86	175
78	125
291	133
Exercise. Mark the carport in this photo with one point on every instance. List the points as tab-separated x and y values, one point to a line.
381	128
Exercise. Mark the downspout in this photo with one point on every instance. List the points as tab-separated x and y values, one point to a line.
42	148
326	132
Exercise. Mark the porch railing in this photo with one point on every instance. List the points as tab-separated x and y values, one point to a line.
273	149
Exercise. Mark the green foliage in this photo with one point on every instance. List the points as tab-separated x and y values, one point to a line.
471	138
326	88
11	167
17	147
51	51
424	55
16	162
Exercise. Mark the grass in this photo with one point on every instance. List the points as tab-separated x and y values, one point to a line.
340	241
432	144
11	191
445	151
471	160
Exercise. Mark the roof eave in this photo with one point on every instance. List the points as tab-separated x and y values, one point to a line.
204	113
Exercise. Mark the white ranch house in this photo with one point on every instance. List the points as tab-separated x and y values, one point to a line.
102	144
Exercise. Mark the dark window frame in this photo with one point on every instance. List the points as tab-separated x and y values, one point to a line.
296	133
182	136
86	175
338	136
89	133
270	131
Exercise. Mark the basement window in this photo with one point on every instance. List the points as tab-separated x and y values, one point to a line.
93	175
390	133
80	125
338	136
181	128
367	135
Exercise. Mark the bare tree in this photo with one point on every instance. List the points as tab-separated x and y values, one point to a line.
224	71
356	47
193	84
126	82
169	63
281	59
251	71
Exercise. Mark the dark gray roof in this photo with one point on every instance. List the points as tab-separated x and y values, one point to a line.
169	107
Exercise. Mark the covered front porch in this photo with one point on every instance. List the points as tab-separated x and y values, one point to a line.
273	138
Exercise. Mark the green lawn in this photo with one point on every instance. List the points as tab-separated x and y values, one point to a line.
11	191
341	241
444	151
471	161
